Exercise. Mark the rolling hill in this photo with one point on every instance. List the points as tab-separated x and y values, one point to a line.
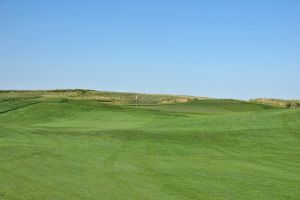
77	147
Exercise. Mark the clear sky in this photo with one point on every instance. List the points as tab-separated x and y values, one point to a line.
217	48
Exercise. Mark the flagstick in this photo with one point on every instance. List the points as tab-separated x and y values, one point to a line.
136	101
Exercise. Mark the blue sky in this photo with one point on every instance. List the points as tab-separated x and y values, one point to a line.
217	48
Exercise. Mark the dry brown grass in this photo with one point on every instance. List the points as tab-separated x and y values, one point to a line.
101	96
278	102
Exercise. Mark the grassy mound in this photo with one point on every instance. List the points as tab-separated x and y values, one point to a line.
210	106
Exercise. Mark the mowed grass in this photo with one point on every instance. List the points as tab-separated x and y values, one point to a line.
207	106
214	149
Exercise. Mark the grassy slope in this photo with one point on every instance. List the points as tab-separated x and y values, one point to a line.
209	106
87	150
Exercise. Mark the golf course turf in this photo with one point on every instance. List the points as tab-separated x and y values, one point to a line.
205	149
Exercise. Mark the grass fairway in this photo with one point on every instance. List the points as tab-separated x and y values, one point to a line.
210	149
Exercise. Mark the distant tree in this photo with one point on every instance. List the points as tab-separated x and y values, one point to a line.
289	105
82	93
293	105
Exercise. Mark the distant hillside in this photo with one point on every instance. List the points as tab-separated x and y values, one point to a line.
278	102
101	96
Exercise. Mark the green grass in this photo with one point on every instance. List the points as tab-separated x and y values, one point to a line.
209	149
207	106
